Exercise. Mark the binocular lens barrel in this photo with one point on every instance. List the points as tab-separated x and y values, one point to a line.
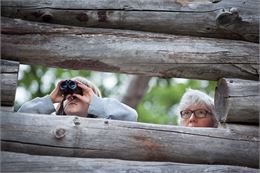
70	87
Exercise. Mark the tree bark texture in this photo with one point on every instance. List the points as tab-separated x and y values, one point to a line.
17	162
9	77
237	101
136	90
101	138
233	19
128	51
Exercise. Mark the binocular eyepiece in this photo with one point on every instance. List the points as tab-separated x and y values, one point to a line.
70	87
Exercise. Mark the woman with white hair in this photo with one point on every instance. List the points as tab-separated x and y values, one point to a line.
197	110
79	97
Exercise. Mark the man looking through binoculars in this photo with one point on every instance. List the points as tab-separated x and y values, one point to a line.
80	97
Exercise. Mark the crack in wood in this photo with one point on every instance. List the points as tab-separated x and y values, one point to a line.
194	134
108	9
51	146
245	70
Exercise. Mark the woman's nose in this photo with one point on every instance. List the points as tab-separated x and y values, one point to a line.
192	117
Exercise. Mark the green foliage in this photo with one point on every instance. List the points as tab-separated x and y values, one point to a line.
39	81
157	106
33	78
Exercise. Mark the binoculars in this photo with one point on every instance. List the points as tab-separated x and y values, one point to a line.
70	87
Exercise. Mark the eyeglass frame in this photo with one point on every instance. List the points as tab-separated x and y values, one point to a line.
195	114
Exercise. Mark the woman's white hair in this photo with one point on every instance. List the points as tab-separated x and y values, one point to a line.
196	97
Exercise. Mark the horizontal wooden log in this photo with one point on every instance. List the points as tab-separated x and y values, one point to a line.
100	138
233	19
128	51
9	66
7	108
17	162
237	101
241	129
9	77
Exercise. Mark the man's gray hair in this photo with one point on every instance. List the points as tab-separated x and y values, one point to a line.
192	97
89	84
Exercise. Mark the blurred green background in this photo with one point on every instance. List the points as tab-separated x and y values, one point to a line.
157	106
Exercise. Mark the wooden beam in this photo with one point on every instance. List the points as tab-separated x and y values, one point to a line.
128	51
237	101
7	108
102	138
233	19
241	129
35	163
9	77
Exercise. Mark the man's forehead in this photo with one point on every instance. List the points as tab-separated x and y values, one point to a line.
197	106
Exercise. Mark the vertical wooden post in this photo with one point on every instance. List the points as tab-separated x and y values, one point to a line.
9	77
237	101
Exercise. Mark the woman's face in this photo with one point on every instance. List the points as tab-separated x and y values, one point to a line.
74	106
194	121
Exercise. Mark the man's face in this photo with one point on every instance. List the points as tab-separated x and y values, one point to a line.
74	106
193	121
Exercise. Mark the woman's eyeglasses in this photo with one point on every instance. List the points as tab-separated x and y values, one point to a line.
199	113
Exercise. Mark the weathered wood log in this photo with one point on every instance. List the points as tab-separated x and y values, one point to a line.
233	19
9	77
35	163
98	138
7	108
237	101
127	51
241	129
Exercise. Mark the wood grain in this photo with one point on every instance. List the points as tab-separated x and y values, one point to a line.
100	138
128	51
237	101
9	77
233	19
17	162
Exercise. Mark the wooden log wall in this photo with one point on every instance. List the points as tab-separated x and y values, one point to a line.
237	101
128	51
9	77
232	19
17	162
100	138
241	129
140	53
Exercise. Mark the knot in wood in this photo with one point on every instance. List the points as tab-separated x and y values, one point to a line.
60	133
82	17
47	16
102	16
228	17
76	121
234	10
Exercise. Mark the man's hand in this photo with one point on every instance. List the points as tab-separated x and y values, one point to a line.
56	95
87	93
